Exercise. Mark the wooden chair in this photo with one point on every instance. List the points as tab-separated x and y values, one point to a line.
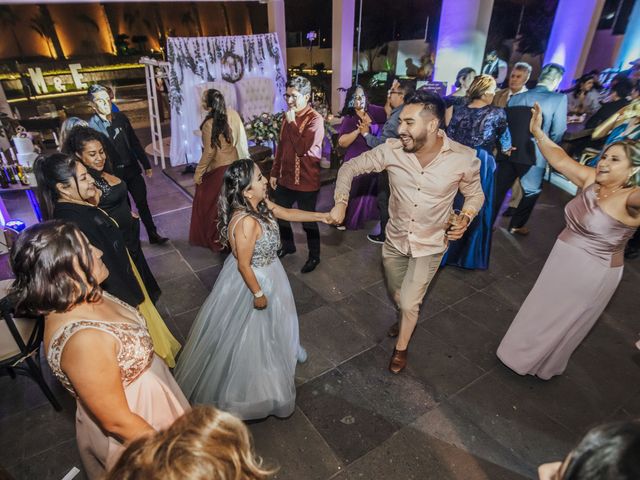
20	340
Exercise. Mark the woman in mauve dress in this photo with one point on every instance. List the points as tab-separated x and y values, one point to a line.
96	345
586	263
225	141
363	203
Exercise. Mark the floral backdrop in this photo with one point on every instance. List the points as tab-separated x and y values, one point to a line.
194	61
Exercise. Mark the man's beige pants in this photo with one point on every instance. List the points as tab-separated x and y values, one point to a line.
407	280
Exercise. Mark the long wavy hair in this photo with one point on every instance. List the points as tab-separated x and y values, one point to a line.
236	180
217	111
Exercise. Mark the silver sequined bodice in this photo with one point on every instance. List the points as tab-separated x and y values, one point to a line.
266	249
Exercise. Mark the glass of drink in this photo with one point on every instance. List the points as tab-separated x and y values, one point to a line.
455	218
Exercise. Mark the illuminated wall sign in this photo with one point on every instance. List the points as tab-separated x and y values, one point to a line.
38	82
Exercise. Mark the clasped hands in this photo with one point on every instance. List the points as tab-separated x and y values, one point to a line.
364	126
455	232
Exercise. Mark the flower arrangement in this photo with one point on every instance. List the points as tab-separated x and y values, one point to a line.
265	128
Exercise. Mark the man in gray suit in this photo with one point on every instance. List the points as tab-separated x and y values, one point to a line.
526	162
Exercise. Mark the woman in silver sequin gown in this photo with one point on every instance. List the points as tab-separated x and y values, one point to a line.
242	349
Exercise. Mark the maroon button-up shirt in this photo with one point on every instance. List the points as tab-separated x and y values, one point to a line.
297	161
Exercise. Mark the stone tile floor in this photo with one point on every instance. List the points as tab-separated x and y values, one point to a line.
456	413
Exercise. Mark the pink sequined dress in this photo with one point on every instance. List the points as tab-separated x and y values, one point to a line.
151	391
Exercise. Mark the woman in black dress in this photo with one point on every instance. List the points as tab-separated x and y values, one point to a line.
67	191
87	146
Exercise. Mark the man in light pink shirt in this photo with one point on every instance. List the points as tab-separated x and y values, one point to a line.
426	169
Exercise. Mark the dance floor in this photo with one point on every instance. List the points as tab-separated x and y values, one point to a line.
455	413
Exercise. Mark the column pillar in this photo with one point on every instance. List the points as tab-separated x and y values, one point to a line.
277	24
462	37
4	105
630	47
343	18
574	27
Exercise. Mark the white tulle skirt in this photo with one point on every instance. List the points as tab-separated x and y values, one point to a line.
240	359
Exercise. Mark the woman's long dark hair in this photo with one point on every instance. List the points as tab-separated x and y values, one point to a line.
236	180
214	101
348	108
609	451
75	142
49	171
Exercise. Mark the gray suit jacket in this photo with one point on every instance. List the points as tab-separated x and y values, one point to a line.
554	114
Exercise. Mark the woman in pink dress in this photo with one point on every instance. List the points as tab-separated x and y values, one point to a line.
585	265
96	345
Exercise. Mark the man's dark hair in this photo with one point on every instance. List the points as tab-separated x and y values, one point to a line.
407	87
431	102
609	451
302	84
95	88
550	72
623	87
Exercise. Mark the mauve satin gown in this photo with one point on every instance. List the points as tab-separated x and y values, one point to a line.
573	289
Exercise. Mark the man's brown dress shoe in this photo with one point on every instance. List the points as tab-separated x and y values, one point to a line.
398	361
394	330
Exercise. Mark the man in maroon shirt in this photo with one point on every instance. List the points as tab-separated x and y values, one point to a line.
295	175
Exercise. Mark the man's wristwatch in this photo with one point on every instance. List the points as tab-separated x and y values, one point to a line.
259	294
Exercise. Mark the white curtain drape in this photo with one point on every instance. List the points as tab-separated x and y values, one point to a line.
196	61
